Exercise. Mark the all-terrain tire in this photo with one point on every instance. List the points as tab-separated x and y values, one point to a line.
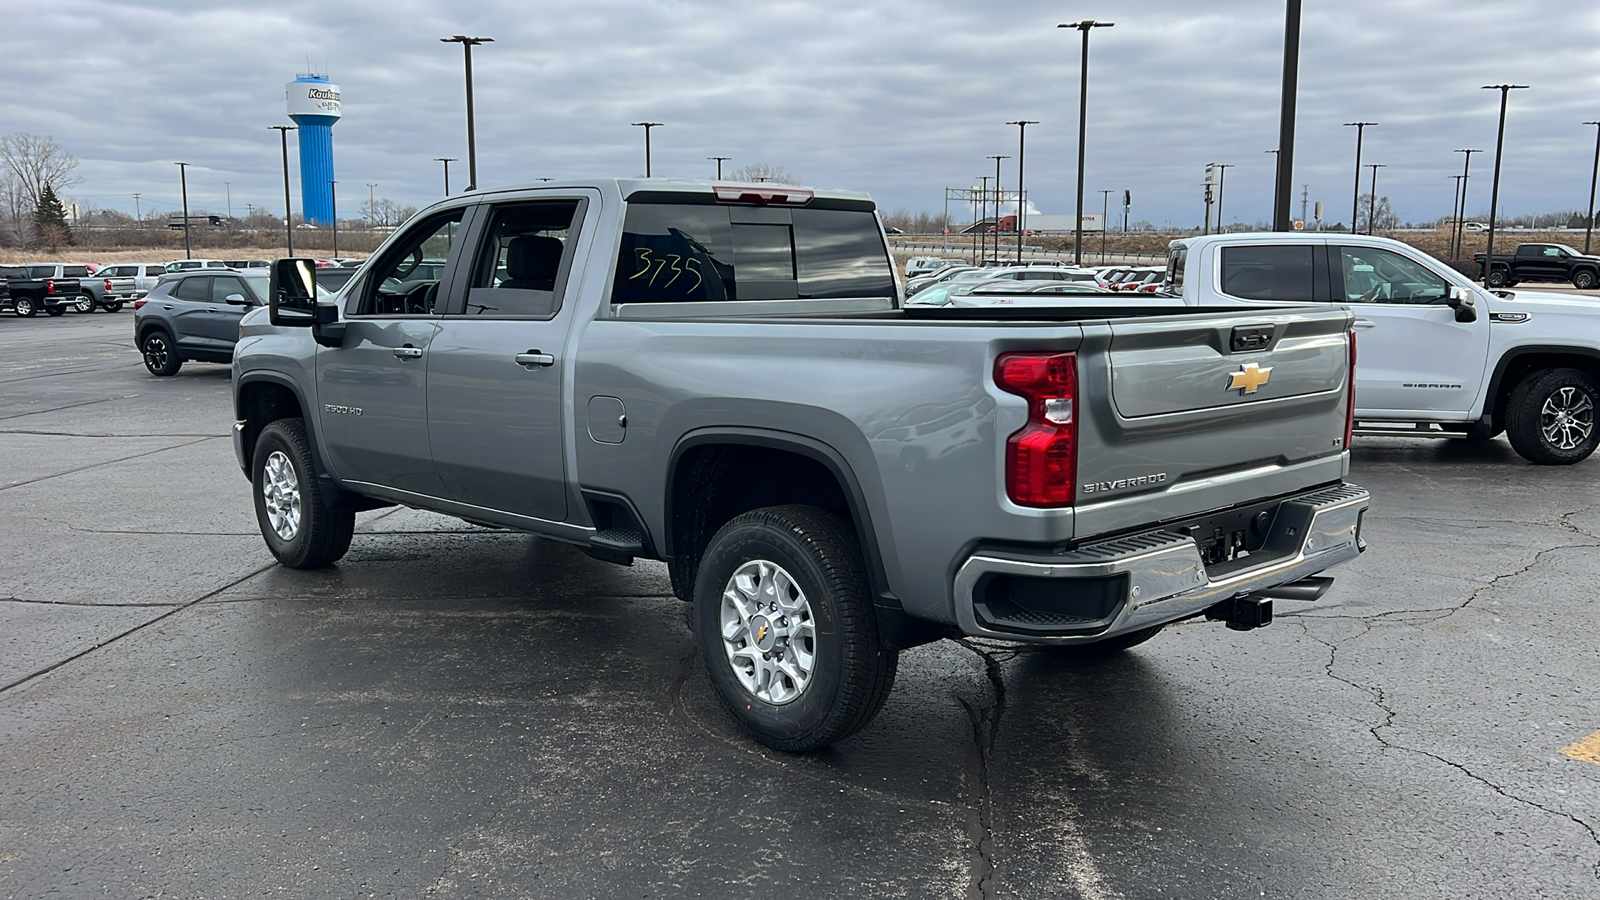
1550	417
798	571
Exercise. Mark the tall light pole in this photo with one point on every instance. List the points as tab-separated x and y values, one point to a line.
1275	184
183	180
467	43
1022	144
647	126
998	199
1455	204
372	203
1355	196
138	214
1083	114
983	213
447	160
1105	211
333	207
1588	213
1291	75
720	160
1460	229
228	186
1494	192
288	211
1372	204
1222	178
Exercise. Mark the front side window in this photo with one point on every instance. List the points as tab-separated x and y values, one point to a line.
691	253
1282	272
1373	275
519	264
223	286
405	282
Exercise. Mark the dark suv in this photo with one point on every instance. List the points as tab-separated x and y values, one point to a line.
195	315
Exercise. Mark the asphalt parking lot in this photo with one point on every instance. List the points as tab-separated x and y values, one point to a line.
457	712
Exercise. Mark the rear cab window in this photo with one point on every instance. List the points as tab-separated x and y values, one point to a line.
1282	272
678	248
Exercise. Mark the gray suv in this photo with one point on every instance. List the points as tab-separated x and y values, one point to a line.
195	315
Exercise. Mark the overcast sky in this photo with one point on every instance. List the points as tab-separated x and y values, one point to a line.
900	98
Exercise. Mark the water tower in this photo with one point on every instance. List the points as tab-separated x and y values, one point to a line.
313	103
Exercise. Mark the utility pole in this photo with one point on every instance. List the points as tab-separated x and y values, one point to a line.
998	198
1291	75
372	204
333	205
1105	213
183	178
1372	205
1355	195
983	213
228	185
138	215
1222	179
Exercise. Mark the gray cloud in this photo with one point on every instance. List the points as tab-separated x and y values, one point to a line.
896	97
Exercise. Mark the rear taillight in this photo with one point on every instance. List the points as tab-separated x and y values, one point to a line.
49	286
1042	457
108	284
1350	398
139	303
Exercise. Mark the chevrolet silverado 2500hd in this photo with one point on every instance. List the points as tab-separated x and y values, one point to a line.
723	377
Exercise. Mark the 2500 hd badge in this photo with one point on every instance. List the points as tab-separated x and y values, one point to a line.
1100	487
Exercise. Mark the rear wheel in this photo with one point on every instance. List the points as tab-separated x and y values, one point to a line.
159	356
784	620
1550	417
25	308
1585	279
84	303
114	306
298	527
1497	278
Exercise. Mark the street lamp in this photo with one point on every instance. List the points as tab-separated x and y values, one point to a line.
647	126
1588	214
1021	200
447	160
183	180
1355	197
983	213
372	204
288	217
1222	178
228	186
333	207
138	214
1455	204
720	160
1275	177
1372	204
1291	76
1105	211
1083	112
467	43
1494	192
998	198
1466	169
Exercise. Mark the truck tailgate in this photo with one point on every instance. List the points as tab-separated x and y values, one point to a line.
1201	405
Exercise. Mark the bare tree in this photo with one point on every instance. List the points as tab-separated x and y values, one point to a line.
32	161
763	172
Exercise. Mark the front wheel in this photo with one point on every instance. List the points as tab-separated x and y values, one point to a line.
1497	278
784	620
84	303
1550	417
1585	280
300	530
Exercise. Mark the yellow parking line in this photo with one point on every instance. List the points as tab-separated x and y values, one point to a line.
1586	750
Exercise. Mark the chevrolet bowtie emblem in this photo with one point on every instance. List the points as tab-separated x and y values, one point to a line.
1249	379
761	633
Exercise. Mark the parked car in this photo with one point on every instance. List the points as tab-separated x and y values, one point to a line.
185	265
249	263
195	315
145	275
334	277
93	292
927	265
26	295
944	274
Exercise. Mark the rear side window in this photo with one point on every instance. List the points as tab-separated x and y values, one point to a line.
1282	272
690	253
41	271
193	289
75	272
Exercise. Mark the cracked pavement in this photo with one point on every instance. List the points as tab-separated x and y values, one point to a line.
454	711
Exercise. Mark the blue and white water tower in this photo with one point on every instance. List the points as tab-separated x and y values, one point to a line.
313	103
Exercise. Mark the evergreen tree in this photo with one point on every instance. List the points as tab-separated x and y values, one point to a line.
50	218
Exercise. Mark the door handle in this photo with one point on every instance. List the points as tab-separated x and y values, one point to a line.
1365	323
166	306
533	359
407	352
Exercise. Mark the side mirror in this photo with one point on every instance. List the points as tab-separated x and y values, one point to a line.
236	300
292	292
1462	302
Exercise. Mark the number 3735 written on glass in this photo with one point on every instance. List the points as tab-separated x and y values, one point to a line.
667	268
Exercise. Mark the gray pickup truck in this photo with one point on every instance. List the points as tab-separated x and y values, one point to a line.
724	377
